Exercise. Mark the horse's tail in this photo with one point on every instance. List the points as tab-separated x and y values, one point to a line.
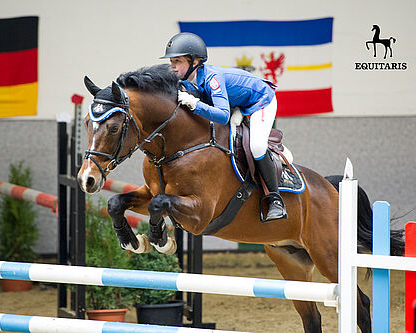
394	39
365	223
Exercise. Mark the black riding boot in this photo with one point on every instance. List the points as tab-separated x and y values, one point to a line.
267	170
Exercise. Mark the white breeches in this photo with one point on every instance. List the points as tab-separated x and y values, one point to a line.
261	123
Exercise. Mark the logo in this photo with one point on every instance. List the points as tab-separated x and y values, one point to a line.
98	108
214	84
274	66
375	45
386	42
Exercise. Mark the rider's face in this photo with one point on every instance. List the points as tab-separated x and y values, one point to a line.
180	66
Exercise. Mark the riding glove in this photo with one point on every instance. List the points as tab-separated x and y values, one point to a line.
188	100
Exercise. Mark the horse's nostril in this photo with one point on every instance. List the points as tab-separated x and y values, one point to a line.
90	181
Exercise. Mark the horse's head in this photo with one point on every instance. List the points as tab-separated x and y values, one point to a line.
107	125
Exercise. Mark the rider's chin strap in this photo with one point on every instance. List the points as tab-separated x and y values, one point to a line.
192	67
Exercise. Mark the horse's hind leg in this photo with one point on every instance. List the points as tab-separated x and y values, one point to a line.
364	317
327	263
295	264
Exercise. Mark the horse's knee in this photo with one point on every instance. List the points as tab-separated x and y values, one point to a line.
159	204
115	206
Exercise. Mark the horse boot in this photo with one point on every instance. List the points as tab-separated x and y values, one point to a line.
267	170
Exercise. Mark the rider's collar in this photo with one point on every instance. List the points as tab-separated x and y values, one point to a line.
200	76
99	112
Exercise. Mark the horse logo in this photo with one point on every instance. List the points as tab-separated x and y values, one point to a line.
376	40
274	66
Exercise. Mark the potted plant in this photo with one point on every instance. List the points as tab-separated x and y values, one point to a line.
103	250
18	232
157	307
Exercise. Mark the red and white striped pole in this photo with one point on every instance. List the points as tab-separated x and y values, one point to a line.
118	186
27	194
51	201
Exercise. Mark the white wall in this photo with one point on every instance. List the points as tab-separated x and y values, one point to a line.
103	38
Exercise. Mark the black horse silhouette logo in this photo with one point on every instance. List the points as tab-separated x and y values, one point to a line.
376	40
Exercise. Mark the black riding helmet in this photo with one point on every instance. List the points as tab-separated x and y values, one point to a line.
186	43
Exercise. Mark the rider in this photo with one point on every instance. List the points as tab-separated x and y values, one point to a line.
227	88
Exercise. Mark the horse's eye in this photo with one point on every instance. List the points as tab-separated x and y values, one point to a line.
114	129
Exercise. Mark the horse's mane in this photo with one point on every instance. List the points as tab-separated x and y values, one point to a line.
154	79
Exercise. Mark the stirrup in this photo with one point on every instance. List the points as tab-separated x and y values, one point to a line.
272	196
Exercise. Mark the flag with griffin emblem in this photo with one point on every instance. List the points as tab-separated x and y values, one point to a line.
295	55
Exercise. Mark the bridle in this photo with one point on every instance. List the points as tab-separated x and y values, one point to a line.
115	158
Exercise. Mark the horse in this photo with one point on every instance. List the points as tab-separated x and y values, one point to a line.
189	177
386	42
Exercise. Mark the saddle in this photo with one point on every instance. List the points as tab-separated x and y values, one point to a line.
245	160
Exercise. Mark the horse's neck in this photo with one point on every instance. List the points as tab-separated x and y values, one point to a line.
194	130
183	131
376	36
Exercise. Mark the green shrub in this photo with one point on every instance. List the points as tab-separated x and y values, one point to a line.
153	261
103	250
18	232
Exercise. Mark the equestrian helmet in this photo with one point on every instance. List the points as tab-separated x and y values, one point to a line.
186	43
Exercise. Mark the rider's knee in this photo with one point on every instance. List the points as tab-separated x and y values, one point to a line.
258	149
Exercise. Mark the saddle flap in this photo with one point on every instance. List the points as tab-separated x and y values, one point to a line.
244	154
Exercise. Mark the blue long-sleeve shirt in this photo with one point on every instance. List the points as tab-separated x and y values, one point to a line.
226	88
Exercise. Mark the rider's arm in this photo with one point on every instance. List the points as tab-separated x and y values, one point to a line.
220	111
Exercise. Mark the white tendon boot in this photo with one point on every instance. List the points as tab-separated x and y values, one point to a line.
169	248
144	245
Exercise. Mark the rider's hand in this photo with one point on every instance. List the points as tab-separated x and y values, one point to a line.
187	99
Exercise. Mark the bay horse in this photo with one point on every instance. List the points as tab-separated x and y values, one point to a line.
194	185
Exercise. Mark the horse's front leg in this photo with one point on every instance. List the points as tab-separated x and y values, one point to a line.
137	201
184	209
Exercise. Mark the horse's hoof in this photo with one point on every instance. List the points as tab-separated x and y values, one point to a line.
144	245
169	248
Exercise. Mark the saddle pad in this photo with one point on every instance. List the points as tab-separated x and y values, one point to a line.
289	182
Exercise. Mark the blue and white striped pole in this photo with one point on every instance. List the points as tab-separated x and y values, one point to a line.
200	283
34	324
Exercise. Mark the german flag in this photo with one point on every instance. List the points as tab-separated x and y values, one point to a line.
19	66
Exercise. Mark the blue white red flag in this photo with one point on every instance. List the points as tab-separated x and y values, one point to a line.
295	55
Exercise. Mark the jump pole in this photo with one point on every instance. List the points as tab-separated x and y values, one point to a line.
30	195
200	283
35	324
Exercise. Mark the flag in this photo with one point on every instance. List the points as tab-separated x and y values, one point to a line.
18	66
295	55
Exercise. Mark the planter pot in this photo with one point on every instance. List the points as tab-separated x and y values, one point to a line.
107	315
16	285
170	314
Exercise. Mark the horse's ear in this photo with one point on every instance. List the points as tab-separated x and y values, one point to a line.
92	88
115	89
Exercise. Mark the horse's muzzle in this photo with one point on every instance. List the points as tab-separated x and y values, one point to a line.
89	181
